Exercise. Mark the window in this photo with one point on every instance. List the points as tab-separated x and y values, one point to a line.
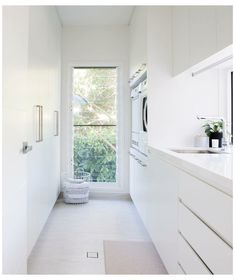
95	121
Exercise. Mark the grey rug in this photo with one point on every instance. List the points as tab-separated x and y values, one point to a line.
132	257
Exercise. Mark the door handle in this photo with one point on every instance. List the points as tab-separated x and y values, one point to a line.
56	120
39	123
26	148
141	162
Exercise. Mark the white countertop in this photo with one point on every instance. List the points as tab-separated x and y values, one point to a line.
214	169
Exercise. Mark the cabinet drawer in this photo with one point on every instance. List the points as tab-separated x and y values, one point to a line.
214	252
189	260
210	204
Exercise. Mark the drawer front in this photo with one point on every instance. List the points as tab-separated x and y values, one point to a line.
189	260
214	252
212	206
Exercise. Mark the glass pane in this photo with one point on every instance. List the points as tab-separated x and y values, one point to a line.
95	152
94	122
94	95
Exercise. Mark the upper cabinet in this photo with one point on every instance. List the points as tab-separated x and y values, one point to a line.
224	15
180	38
202	33
199	32
138	39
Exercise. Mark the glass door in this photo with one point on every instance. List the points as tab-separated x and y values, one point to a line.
95	121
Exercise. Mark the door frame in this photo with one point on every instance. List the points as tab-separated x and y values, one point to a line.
100	187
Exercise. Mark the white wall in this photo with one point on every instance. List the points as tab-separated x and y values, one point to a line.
31	76
96	45
138	38
174	102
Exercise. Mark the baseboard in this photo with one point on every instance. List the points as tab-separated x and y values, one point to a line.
106	195
60	196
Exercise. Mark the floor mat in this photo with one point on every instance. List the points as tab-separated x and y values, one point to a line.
132	257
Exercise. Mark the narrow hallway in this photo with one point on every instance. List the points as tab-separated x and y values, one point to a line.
73	230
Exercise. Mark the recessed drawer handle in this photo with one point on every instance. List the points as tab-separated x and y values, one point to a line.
179	264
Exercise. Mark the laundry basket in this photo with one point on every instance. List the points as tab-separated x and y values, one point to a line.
76	190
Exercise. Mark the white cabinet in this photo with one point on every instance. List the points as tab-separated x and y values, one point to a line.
205	221
162	209
199	32
197	195
188	220
43	176
153	189
180	40
224	16
138	182
31	65
202	33
138	39
211	249
15	20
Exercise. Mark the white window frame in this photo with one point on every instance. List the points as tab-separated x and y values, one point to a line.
101	187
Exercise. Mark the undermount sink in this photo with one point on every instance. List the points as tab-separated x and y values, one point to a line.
190	151
199	151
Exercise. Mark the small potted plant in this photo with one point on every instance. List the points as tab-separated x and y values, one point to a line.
214	130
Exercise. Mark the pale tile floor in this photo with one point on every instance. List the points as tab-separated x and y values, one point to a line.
73	230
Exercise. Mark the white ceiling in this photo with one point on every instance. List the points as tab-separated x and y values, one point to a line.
94	15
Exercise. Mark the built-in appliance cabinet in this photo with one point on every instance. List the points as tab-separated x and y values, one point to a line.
189	221
199	32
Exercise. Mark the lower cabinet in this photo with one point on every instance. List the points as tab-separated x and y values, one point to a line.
162	220
138	182
189	221
214	253
205	222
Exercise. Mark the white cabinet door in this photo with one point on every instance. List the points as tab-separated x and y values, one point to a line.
202	36
138	39
141	187
214	252
44	161
224	26
162	209
199	32
139	182
196	194
180	25
15	132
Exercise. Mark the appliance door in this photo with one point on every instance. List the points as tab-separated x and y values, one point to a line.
135	114
135	122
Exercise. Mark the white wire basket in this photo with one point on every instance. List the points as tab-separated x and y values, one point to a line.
82	175
76	190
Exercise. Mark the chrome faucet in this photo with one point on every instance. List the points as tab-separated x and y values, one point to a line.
226	141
